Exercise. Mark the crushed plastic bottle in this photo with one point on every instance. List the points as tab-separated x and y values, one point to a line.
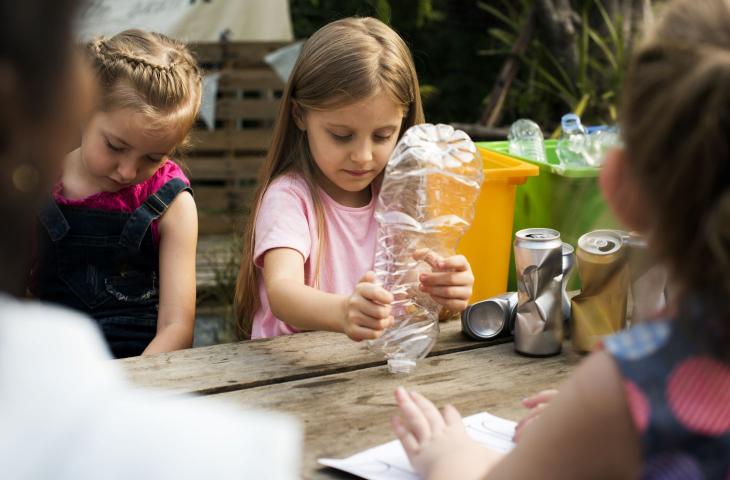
573	144
600	141
426	202
526	140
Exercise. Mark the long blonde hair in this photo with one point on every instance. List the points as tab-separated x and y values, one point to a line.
343	62
149	73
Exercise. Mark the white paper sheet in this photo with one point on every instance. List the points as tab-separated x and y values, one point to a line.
389	461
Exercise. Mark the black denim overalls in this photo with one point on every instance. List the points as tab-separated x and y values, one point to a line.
105	264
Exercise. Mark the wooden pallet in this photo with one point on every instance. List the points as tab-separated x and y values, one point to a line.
223	163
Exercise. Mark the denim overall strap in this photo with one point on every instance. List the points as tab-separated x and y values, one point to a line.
152	208
53	220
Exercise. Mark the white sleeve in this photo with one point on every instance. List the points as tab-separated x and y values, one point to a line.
66	412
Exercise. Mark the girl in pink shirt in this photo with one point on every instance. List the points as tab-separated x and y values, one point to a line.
117	240
310	242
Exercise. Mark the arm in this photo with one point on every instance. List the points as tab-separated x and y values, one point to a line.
362	315
585	432
178	242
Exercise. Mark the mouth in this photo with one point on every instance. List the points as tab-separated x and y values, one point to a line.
118	183
357	173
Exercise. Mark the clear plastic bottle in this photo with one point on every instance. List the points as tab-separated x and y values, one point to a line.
426	202
574	143
526	140
600	141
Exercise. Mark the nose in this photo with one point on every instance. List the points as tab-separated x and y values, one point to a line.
127	170
363	152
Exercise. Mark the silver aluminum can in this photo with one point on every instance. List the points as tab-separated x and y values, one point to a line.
539	328
648	280
489	318
568	263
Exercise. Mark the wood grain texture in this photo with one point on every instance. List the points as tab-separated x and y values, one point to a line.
235	366
348	412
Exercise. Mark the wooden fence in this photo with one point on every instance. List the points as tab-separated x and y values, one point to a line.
223	162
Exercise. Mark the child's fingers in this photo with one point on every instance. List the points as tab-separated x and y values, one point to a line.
363	306
409	442
433	416
369	277
451	304
377	324
446	278
374	293
413	417
520	428
456	263
540	397
429	256
449	293
359	333
532	415
452	415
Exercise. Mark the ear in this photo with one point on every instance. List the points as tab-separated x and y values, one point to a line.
297	113
622	192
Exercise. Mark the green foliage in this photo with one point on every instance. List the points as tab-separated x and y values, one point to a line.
545	88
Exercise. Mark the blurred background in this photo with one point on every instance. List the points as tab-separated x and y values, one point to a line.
482	65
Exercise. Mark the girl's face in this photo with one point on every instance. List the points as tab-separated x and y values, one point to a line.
119	149
352	144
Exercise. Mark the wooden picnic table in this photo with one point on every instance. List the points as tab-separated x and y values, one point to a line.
342	393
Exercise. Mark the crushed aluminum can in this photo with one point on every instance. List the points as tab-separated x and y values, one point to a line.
539	328
600	308
489	318
568	262
648	280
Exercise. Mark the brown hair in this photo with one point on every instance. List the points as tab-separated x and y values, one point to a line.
343	62
676	126
149	73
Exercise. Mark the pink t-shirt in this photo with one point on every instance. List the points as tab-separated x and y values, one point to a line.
287	219
127	199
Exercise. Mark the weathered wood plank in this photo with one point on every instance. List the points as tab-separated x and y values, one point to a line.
262	78
224	168
254	139
348	412
227	199
217	223
246	109
249	364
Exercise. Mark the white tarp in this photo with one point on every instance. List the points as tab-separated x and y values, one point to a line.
190	20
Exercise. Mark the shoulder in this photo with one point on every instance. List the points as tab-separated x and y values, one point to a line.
286	193
291	184
169	170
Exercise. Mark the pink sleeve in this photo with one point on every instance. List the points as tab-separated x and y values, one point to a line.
282	221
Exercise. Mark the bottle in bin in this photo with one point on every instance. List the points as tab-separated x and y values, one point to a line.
526	140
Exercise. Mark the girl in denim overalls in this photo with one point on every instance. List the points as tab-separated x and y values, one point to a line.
118	239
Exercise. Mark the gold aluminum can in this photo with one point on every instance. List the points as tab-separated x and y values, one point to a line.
600	308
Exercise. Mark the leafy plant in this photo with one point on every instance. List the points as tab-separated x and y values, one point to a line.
548	82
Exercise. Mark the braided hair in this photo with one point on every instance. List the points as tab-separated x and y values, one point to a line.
147	72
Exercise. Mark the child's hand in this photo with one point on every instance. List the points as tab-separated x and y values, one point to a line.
436	442
367	311
536	404
451	281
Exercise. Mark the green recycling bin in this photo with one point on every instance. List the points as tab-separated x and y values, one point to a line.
567	199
